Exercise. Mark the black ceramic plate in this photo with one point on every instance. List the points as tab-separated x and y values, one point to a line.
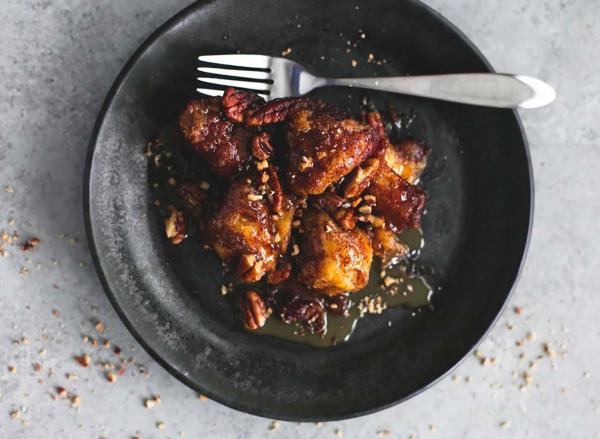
476	227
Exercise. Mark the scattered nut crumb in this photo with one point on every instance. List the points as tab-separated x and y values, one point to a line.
15	414
504	424
83	360
518	310
99	327
111	377
354	63
30	244
160	425
201	397
432	428
262	165
389	280
151	402
383	433
338	432
75	401
274	425
286	51
549	350
254	197
37	367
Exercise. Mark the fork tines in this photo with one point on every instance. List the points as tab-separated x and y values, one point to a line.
250	72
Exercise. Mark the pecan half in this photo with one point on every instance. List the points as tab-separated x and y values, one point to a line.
376	122
261	146
175	225
236	102
274	111
360	178
275	185
254	310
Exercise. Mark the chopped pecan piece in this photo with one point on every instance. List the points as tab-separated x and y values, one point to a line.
30	244
339	304
329	201
374	119
254	309
275	185
175	225
261	146
249	269
281	273
345	218
360	178
310	313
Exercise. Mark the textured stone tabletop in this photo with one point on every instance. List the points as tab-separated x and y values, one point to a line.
57	61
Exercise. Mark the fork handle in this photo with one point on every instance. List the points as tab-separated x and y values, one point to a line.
487	89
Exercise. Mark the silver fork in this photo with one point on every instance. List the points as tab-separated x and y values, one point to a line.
274	77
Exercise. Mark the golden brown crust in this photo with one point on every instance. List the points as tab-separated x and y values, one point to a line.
407	159
333	260
386	246
242	231
218	141
322	148
399	202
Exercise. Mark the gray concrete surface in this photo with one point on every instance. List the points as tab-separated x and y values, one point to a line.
57	61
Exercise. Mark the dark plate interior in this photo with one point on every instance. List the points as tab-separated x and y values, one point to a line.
476	228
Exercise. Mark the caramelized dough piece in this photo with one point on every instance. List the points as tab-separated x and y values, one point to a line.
323	145
399	202
218	141
386	246
242	231
323	149
407	159
334	260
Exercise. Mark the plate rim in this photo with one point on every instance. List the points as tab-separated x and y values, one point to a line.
254	410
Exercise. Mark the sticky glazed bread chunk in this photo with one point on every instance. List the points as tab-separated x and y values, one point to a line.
242	231
333	260
222	144
323	145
